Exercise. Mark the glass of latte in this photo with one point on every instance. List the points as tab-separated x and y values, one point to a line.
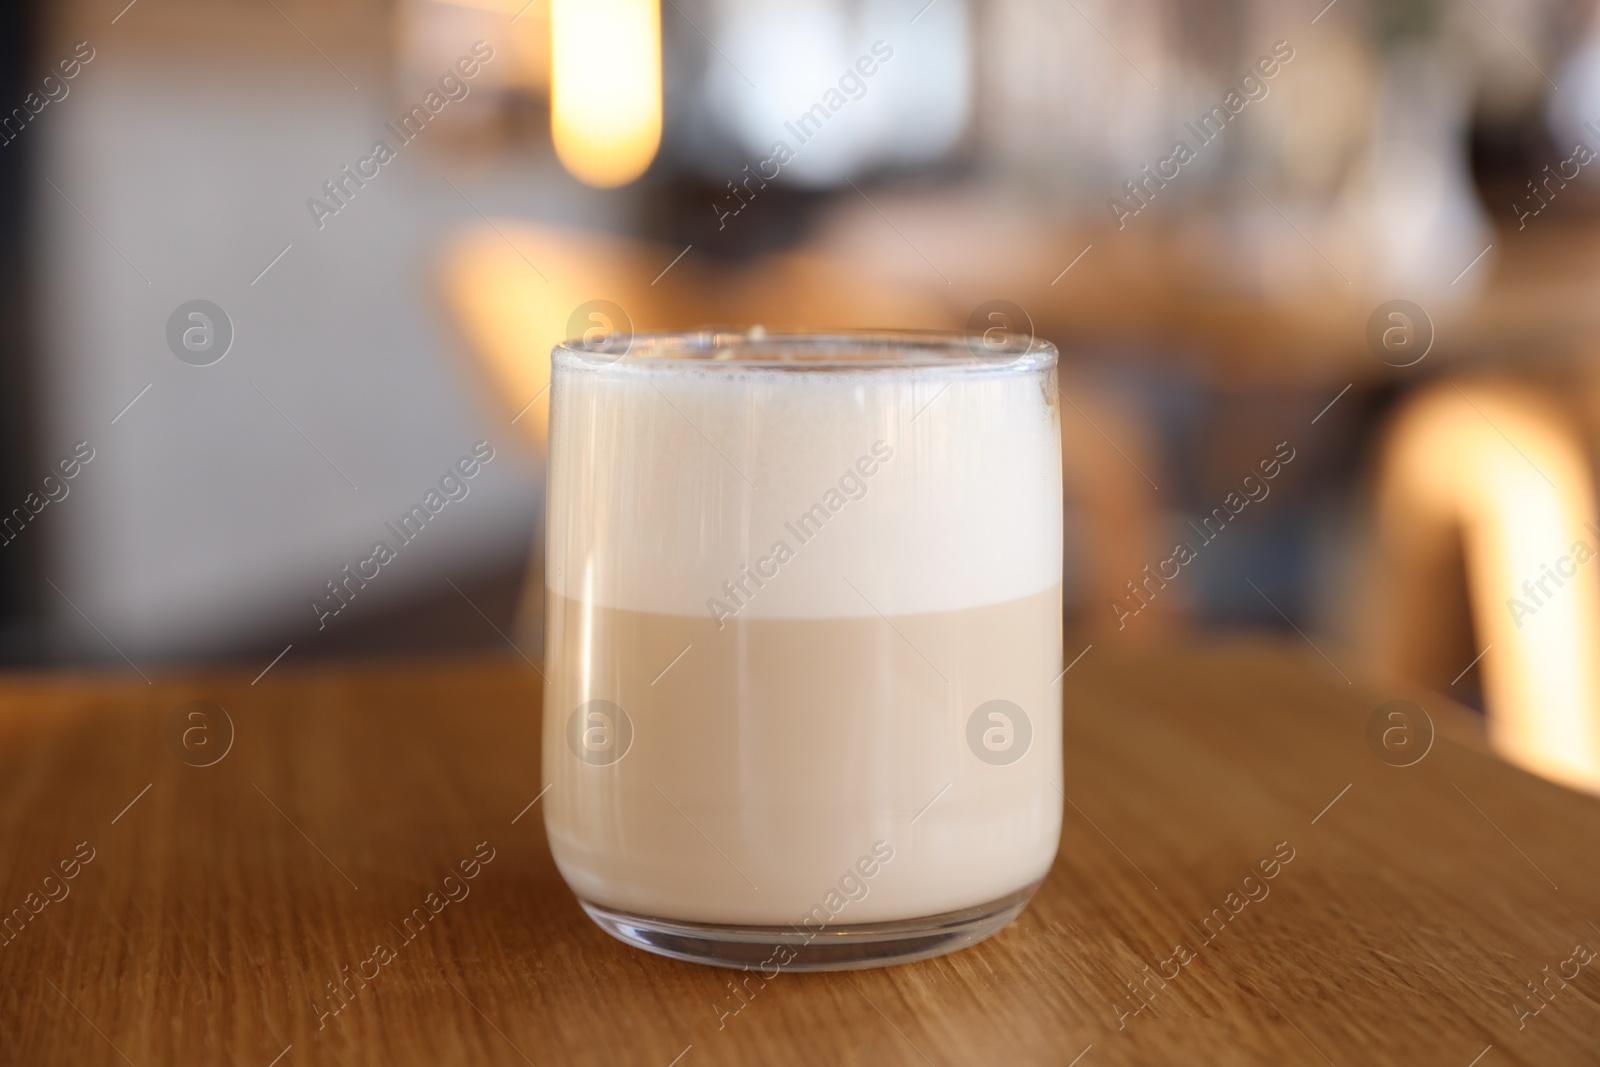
804	647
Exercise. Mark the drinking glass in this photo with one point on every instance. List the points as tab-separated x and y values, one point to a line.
803	640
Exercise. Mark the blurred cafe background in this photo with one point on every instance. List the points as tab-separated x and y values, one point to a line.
1323	275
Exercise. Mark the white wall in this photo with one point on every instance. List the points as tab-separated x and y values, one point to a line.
205	521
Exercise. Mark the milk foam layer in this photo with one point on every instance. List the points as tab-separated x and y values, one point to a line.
816	494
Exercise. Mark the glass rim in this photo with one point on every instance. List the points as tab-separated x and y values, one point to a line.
835	351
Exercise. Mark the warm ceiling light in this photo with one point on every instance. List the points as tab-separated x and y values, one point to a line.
605	96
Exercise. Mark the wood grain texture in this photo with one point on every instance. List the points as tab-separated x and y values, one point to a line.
219	904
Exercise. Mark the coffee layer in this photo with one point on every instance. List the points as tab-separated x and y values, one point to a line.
734	775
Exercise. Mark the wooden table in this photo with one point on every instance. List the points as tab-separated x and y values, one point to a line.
219	900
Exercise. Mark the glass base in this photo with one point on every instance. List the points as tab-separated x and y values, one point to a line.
795	948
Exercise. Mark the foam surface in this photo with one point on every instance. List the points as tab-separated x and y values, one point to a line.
939	488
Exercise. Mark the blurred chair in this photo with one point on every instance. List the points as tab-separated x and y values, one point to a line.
514	290
1492	480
